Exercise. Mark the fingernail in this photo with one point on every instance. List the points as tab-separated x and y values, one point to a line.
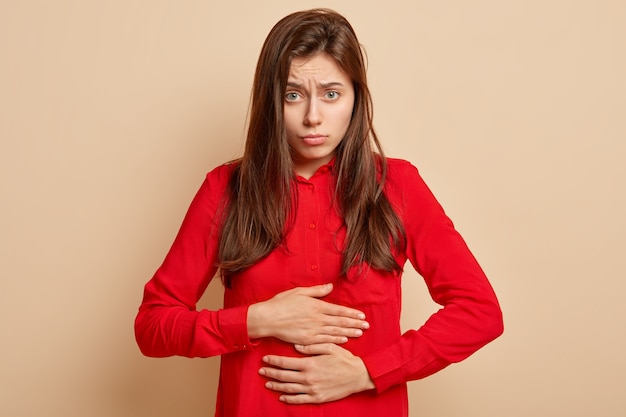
358	332
361	316
365	325
299	347
262	371
329	286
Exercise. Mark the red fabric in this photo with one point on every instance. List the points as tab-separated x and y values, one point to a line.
169	324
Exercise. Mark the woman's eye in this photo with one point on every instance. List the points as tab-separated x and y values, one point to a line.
291	96
332	95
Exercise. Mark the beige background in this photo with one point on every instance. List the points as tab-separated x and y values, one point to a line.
112	111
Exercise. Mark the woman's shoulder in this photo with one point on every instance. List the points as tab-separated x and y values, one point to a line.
400	168
221	174
404	181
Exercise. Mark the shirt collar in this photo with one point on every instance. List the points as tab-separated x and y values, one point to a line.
322	171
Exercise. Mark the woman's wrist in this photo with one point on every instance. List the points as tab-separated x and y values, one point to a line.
365	381
255	321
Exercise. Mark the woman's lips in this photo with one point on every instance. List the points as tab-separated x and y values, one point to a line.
313	140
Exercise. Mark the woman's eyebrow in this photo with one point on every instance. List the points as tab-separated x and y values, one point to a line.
331	84
296	84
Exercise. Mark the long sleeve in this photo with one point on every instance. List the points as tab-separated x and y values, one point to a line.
470	317
167	322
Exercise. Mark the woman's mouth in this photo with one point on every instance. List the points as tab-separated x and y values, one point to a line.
314	139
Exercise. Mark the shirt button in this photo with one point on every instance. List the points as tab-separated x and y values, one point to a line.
313	267
312	226
311	187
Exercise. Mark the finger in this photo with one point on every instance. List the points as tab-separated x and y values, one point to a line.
287	388
318	349
281	376
342	311
319	291
346	323
337	335
316	291
341	332
299	399
285	362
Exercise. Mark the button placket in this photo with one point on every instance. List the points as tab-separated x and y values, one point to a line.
311	233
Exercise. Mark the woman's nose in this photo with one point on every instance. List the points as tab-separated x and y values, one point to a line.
313	116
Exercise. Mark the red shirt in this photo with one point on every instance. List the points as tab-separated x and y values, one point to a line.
169	324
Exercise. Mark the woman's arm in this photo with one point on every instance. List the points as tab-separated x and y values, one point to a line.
471	315
168	322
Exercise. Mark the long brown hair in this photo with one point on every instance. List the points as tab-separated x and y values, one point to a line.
261	194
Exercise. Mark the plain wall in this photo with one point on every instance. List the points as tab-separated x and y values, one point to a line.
111	112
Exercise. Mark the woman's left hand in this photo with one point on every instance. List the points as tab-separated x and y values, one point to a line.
330	373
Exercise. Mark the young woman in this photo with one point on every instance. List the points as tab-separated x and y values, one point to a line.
310	231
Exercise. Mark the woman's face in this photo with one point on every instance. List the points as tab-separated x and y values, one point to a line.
318	108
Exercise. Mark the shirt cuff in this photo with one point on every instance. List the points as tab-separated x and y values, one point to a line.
233	324
377	365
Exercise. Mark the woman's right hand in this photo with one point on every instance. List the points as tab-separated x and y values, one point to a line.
299	316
